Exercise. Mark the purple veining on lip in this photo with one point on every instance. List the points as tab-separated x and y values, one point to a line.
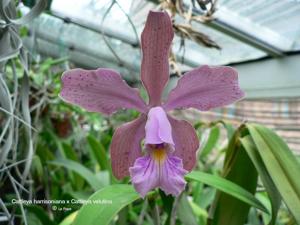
147	174
170	144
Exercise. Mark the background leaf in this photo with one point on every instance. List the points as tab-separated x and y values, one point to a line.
39	212
69	219
98	152
239	169
185	212
120	195
213	138
281	164
227	187
91	178
267	181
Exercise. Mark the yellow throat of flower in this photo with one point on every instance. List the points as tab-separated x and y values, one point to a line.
159	154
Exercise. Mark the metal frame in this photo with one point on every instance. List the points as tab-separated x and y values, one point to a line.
227	26
109	33
274	45
245	37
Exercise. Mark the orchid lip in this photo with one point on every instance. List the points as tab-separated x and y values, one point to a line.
158	169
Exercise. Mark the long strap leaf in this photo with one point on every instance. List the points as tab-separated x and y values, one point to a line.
227	187
280	163
97	212
239	169
267	181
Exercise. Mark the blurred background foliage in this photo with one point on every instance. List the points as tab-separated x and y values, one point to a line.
51	150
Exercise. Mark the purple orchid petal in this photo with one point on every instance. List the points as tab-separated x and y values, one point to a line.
144	175
205	88
149	173
158	128
186	142
156	40
172	176
101	90
126	146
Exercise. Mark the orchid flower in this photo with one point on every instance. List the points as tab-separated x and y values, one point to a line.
170	145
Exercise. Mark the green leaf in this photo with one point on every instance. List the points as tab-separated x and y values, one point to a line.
104	176
265	199
185	212
69	219
32	219
200	212
40	213
167	203
211	141
90	177
99	152
281	164
37	167
239	169
227	187
229	128
267	181
207	196
120	195
69	153
79	194
122	216
49	62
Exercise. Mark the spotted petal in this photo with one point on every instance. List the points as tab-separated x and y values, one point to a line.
156	40
101	90
186	142
126	146
205	88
